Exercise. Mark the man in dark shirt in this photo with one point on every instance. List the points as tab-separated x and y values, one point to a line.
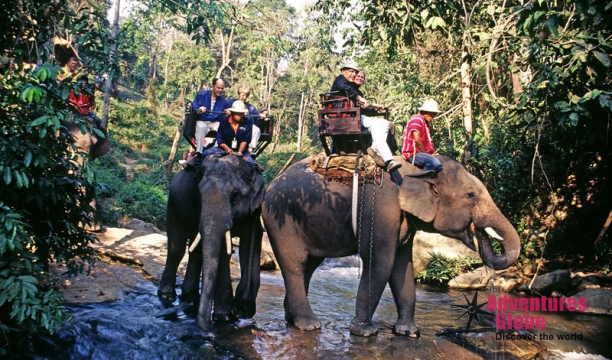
379	128
234	134
244	91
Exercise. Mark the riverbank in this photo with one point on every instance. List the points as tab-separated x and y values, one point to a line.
125	279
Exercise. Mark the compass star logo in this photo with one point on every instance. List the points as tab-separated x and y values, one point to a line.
472	309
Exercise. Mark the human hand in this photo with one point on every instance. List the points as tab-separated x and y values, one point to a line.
201	109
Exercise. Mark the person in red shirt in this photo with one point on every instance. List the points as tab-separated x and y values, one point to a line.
417	147
84	102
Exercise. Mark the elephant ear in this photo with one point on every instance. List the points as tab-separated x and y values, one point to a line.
419	197
257	190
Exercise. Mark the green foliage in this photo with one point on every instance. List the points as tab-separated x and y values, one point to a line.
274	163
144	199
441	269
44	186
44	204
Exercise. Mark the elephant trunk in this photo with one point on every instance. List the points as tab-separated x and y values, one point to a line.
215	223
506	235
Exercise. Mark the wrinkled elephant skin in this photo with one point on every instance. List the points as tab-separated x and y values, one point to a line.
224	194
308	218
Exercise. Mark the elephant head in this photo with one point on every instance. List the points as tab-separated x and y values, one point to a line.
231	195
456	204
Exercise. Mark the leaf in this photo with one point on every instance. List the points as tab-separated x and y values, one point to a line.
7	175
41	120
602	57
26	93
438	22
604	101
574	119
574	99
65	92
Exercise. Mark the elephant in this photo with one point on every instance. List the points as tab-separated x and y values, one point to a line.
220	197
87	142
308	218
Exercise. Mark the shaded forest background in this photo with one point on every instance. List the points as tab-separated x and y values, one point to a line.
525	87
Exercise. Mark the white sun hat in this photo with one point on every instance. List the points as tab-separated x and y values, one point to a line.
431	106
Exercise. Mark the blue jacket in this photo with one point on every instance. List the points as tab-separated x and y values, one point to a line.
203	98
253	113
344	86
225	134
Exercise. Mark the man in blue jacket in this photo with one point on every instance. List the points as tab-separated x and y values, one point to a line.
210	104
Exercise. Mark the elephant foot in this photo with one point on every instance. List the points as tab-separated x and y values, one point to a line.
190	297
363	328
307	324
406	330
243	310
166	297
206	326
225	317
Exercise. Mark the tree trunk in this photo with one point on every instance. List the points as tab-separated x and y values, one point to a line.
173	150
300	123
111	60
225	49
466	84
169	52
277	125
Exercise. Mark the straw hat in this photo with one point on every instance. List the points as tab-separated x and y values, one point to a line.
430	106
238	107
350	64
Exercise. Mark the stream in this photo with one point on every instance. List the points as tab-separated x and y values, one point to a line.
138	327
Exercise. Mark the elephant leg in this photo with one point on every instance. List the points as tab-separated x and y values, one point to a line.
190	291
371	286
297	308
223	289
244	305
177	242
402	287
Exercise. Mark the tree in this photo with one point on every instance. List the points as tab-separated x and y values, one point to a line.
44	193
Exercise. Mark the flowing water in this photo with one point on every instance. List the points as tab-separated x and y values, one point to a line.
138	327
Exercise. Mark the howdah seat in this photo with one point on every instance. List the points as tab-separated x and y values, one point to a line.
340	128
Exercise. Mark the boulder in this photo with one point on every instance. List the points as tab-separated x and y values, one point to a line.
476	279
582	282
494	345
426	243
135	224
506	284
558	280
268	260
599	301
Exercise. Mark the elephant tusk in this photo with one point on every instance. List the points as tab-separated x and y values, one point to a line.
228	242
195	243
493	234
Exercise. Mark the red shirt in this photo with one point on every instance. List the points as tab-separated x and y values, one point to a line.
83	102
416	123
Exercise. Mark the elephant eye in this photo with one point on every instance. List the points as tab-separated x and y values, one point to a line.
470	195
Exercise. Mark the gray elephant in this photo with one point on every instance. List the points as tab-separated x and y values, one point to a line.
222	196
308	218
94	147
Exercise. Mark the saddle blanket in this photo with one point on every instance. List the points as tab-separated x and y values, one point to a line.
340	168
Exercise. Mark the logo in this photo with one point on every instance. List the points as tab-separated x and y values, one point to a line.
466	310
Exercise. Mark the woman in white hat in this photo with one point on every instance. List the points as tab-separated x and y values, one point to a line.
418	148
